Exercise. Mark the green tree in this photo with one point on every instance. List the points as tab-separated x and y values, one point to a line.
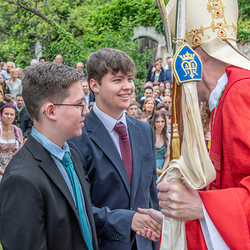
244	21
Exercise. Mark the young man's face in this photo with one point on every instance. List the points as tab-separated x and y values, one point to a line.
70	118
132	110
113	95
19	101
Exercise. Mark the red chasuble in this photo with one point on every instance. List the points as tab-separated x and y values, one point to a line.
228	200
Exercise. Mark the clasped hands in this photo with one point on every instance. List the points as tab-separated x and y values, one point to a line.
178	201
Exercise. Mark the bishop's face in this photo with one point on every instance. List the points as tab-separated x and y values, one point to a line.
209	81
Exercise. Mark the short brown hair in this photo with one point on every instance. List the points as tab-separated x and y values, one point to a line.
141	115
9	97
131	103
107	60
46	82
162	105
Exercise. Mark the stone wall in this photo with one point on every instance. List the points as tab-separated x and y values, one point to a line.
150	32
245	48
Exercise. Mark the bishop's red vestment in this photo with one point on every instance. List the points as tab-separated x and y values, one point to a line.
228	200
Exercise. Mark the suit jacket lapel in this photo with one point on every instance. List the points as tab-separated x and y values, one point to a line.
135	141
52	171
99	134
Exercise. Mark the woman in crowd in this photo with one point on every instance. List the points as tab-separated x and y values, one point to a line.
149	107
168	92
156	94
3	87
14	84
11	137
162	90
159	126
167	84
156	76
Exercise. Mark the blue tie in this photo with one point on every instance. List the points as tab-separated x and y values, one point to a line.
79	203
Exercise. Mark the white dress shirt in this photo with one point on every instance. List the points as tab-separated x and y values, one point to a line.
109	123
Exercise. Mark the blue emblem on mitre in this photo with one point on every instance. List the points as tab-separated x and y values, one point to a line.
186	66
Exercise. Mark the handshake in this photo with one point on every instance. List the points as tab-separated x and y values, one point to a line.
148	223
178	201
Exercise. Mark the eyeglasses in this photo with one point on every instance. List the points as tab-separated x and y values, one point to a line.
73	105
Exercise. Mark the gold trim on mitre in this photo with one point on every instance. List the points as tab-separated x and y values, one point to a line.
216	23
208	24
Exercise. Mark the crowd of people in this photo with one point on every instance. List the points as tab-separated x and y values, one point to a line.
156	96
86	177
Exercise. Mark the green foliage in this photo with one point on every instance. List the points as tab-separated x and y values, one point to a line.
244	21
74	29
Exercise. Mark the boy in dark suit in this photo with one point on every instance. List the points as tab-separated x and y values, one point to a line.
44	197
118	155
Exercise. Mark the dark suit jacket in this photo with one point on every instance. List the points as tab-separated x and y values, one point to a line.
91	97
37	210
24	119
114	201
168	75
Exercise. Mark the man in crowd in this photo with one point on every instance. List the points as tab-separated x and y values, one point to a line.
42	59
167	100
33	62
150	84
80	67
44	197
167	66
168	74
118	159
58	59
22	116
223	213
89	98
148	92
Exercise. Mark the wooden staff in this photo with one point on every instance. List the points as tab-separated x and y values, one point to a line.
176	117
165	22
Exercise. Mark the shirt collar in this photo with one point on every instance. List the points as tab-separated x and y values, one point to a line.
18	108
108	121
214	96
49	145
